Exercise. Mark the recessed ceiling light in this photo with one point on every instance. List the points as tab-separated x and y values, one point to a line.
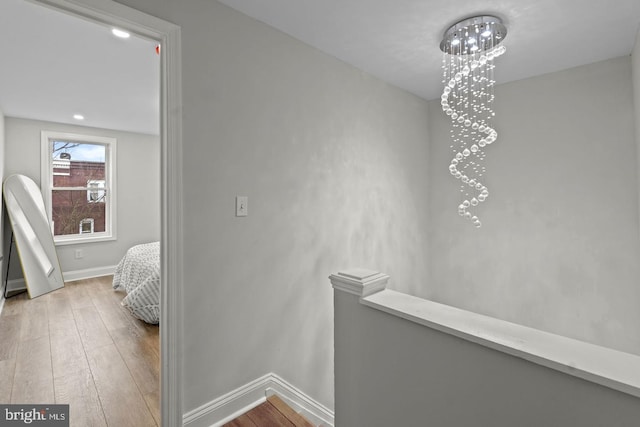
78	116
119	33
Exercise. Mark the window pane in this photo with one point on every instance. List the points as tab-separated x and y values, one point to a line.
75	164
70	208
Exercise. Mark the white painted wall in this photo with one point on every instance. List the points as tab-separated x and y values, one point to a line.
393	372
559	248
2	162
334	164
138	197
2	244
635	67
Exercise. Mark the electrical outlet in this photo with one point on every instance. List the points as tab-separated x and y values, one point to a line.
242	206
79	254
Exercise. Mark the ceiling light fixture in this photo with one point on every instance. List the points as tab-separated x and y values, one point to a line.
469	48
120	33
78	116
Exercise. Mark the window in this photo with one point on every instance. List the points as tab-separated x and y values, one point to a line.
78	186
86	226
96	192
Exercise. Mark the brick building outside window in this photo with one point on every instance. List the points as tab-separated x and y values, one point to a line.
72	209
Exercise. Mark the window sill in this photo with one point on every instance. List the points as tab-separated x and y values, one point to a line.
81	240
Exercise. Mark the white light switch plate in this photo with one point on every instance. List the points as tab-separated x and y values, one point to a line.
242	206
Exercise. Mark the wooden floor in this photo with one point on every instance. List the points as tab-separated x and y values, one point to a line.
272	413
79	346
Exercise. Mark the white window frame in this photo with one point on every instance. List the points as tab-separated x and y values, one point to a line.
46	183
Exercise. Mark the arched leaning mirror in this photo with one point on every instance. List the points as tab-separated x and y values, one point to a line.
32	235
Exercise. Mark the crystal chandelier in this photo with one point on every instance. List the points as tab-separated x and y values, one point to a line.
469	48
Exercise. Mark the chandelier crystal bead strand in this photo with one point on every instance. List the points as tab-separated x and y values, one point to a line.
469	48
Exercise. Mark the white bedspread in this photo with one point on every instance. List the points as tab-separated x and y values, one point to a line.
138	274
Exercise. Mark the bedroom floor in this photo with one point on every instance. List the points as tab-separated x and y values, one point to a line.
77	345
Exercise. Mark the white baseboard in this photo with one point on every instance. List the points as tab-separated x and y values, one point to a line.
229	406
16	285
70	276
312	410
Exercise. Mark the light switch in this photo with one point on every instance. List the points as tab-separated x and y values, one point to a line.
242	205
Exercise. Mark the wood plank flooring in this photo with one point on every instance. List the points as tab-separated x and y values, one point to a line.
78	345
272	413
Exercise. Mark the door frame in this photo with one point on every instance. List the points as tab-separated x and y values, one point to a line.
171	259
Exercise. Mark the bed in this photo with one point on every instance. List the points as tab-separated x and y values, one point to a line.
138	274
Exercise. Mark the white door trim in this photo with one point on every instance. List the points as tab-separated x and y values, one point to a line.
171	314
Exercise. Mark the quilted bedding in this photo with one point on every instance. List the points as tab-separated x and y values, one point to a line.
138	274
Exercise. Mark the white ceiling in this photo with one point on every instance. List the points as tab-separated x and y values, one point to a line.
398	40
54	65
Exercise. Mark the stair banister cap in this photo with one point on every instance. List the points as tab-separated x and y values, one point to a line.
359	281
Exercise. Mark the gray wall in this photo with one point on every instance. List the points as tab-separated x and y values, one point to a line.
393	372
138	188
559	247
2	162
2	244
334	163
635	65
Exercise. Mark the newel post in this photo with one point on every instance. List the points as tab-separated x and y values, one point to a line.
359	281
351	326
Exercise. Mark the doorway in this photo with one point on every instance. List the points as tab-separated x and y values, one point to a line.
168	37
